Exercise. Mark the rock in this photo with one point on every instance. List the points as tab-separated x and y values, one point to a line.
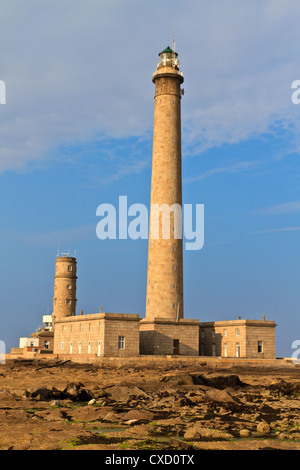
111	417
76	392
138	415
92	401
42	394
220	381
98	393
263	428
245	433
131	421
52	415
219	396
124	393
55	403
185	379
5	395
191	433
197	432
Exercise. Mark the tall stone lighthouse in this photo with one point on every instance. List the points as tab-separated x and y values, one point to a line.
165	265
164	330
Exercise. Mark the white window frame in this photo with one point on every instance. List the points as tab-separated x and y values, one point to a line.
121	342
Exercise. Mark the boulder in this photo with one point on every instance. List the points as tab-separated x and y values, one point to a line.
263	428
245	433
124	393
138	415
76	392
214	394
198	432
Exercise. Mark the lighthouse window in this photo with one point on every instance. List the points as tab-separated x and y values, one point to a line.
69	267
69	287
173	305
68	302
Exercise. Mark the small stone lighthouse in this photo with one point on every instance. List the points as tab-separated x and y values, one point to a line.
164	330
64	301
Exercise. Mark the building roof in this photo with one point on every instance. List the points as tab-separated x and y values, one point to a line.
168	50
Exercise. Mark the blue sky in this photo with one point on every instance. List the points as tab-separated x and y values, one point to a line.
76	132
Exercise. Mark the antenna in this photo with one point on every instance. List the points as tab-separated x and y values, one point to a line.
67	253
173	49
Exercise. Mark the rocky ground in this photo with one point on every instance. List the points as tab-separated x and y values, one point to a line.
55	405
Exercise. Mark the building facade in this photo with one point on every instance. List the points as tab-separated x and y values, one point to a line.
98	335
253	339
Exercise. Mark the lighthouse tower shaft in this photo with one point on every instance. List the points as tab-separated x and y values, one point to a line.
64	301
165	258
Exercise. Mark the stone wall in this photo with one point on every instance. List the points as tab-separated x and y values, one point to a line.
158	337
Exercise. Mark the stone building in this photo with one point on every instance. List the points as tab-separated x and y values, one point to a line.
238	338
98	335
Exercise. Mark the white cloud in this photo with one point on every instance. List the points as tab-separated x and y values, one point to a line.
283	229
76	71
239	167
286	208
